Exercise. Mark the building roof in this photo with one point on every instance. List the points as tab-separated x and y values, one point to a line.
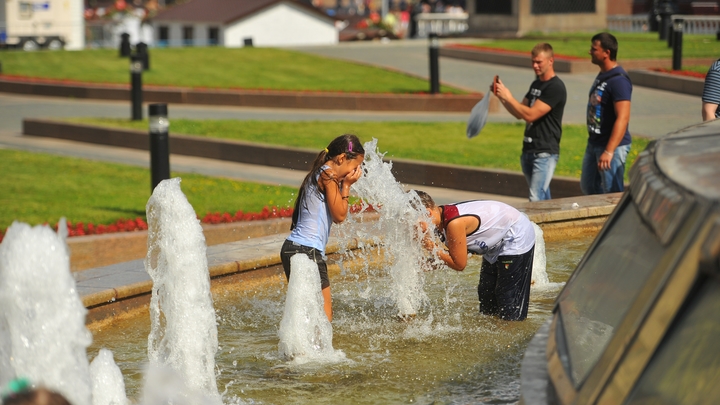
225	11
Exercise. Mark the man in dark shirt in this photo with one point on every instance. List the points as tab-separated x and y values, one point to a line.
542	109
608	116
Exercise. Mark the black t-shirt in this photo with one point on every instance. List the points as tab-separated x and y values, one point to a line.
544	134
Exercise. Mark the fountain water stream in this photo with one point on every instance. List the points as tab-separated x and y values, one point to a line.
183	334
42	323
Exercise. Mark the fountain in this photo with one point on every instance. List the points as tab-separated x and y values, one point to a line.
445	351
42	324
183	335
305	331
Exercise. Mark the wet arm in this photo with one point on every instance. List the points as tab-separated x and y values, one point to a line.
336	196
456	256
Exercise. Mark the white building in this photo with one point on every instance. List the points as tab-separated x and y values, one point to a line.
235	23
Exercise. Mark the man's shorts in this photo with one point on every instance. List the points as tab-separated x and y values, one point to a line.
504	288
290	249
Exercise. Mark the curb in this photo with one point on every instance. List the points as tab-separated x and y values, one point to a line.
491	181
92	251
249	98
669	82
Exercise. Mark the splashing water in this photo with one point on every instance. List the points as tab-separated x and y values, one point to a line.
183	333
107	380
398	224
305	332
540	280
42	322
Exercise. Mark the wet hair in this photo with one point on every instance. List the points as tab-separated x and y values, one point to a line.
542	47
425	198
348	144
608	42
39	396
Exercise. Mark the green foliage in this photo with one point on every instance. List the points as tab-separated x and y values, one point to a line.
39	188
219	68
630	45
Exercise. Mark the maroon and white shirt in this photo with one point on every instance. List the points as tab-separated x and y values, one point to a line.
503	230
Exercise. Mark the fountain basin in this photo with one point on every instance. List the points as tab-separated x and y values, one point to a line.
113	290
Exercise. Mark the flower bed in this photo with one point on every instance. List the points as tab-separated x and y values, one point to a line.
139	224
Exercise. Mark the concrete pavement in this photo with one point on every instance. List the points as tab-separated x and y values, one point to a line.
654	113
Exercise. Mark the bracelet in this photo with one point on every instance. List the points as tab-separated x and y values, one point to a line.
609	153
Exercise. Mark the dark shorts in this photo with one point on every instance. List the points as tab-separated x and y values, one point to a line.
504	288
290	249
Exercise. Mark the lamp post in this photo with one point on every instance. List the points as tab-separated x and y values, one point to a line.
136	68
678	26
141	49
125	45
159	143
434	64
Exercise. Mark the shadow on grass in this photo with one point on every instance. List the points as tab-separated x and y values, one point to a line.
122	211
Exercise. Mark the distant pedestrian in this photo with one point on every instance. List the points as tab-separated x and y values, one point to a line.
711	93
542	110
608	118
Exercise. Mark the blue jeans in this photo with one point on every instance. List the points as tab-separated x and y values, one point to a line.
538	169
594	181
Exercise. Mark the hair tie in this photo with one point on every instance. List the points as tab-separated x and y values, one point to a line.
350	147
326	150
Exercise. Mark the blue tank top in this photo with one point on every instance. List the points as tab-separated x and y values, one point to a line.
314	219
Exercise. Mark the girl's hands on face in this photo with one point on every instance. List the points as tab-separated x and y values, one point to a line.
353	176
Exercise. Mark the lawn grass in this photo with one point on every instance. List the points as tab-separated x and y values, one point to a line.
630	45
498	146
221	68
41	188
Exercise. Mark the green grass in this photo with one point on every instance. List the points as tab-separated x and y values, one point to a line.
212	67
40	188
630	45
498	145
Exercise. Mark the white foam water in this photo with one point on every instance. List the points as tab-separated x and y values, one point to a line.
400	215
305	332
165	386
183	335
540	280
108	386
42	322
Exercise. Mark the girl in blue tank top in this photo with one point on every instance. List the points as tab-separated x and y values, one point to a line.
323	200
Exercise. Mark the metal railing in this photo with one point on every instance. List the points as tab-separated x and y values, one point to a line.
699	24
692	24
628	23
441	23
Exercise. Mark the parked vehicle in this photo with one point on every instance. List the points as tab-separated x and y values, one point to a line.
36	24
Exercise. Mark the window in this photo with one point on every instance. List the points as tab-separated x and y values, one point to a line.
562	6
493	7
213	36
188	35
163	35
26	10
